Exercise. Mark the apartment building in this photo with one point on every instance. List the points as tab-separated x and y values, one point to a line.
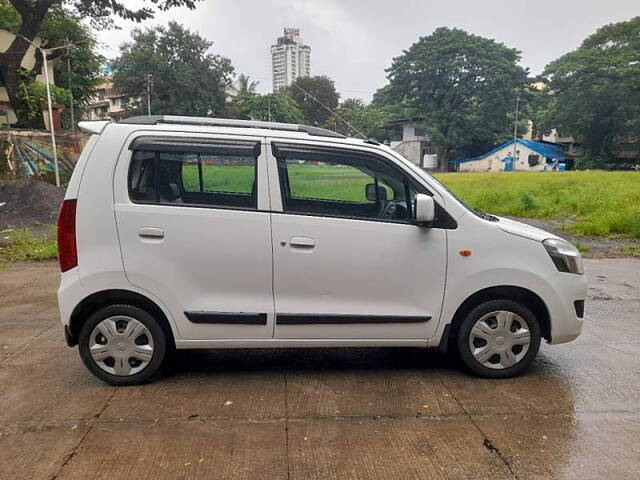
108	103
290	59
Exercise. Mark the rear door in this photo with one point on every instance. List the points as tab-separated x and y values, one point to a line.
194	229
349	261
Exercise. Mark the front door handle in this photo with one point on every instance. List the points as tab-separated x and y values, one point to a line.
302	242
151	232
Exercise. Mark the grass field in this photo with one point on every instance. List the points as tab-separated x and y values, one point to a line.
589	202
328	182
592	202
22	244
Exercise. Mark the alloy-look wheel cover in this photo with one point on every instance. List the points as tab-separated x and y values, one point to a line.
499	339
121	345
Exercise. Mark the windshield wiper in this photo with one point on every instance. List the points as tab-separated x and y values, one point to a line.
485	216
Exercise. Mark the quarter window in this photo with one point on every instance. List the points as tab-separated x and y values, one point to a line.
198	174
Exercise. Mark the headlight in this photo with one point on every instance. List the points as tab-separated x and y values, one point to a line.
566	257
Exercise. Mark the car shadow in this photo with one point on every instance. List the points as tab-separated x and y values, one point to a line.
308	359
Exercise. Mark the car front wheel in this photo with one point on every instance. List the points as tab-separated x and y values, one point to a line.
499	339
122	345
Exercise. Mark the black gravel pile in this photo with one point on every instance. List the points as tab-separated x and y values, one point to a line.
25	203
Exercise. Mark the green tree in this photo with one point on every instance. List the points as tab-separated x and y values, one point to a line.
596	88
34	94
356	119
78	68
32	16
385	98
244	86
541	105
317	96
274	107
464	85
85	63
239	93
186	79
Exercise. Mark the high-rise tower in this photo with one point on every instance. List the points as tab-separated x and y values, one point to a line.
290	59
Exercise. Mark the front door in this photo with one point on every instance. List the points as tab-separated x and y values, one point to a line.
192	234
349	262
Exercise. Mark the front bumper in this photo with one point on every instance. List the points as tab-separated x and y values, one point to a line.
567	293
71	340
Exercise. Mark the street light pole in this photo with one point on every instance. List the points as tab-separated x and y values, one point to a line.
44	53
53	134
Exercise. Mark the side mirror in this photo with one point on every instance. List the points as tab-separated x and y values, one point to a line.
425	209
372	195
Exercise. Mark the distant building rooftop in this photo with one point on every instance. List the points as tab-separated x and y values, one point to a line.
402	121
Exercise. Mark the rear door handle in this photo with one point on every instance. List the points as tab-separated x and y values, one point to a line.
151	232
302	242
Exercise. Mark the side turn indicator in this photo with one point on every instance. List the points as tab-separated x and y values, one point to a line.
464	253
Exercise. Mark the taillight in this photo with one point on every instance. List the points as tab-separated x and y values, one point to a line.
67	251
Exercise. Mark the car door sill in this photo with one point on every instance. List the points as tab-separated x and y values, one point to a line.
300	343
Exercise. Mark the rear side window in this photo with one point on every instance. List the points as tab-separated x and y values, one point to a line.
218	173
197	173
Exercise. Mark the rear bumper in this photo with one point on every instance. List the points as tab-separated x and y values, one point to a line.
70	292
565	302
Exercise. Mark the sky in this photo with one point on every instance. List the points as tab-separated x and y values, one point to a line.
353	41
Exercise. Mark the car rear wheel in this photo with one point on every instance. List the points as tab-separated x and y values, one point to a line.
122	345
499	339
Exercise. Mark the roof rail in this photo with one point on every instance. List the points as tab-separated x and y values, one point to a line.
229	122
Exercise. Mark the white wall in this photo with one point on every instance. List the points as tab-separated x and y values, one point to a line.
409	133
409	150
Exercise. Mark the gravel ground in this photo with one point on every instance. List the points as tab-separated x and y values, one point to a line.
377	413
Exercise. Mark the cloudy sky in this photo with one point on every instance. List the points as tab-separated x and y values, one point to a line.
353	41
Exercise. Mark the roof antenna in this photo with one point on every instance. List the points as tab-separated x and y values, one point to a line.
342	119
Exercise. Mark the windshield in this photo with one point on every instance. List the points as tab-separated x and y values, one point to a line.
475	211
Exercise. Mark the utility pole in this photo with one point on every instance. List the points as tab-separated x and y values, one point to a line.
148	94
515	133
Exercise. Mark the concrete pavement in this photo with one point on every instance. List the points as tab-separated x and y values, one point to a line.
307	414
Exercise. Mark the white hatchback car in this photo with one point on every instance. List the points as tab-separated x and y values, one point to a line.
181	232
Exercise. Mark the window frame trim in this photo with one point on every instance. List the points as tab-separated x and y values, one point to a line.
279	157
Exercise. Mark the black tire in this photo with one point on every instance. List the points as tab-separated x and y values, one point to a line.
464	349
158	336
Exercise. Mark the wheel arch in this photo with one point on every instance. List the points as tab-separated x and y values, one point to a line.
103	298
519	294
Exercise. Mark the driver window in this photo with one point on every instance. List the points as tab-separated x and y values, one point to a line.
343	185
